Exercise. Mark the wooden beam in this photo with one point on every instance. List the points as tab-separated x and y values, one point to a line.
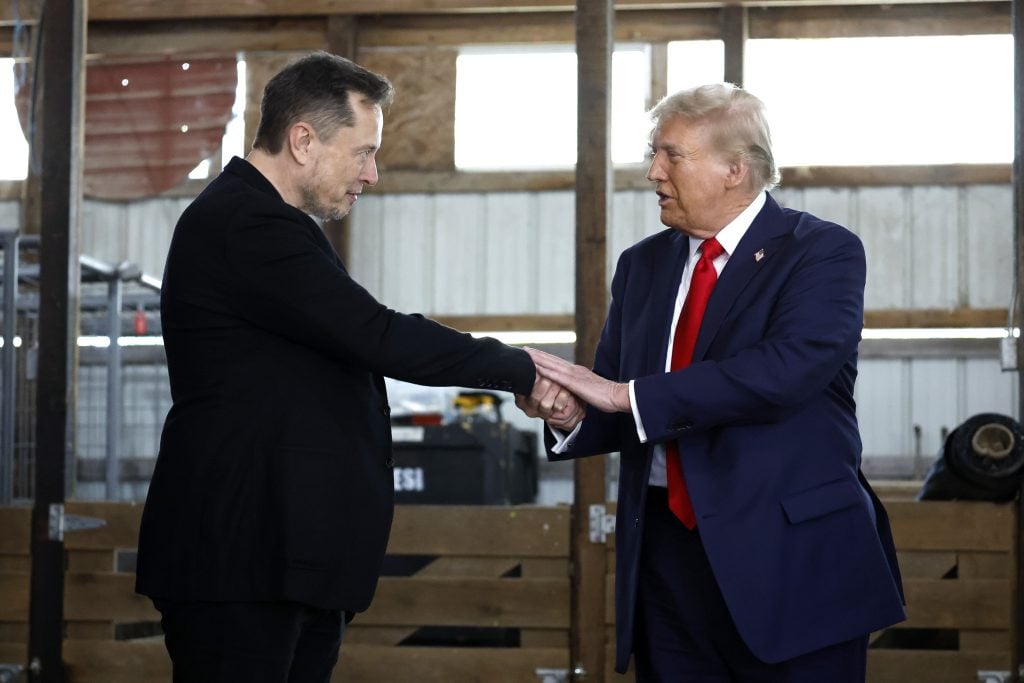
881	20
735	28
595	186
63	90
302	33
146	10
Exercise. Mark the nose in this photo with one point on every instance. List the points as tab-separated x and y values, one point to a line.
654	171
369	174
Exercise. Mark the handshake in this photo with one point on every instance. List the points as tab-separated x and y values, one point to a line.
563	390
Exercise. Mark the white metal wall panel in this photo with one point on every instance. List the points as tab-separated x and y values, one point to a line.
556	253
104	231
935	271
366	243
148	229
989	244
935	390
987	389
882	216
510	235
883	406
458	273
10	216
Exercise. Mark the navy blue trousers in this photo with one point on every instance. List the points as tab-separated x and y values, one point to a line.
255	642
684	632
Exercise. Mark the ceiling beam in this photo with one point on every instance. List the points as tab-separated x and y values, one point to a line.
150	10
655	26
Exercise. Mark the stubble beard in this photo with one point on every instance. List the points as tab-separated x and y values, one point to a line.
312	205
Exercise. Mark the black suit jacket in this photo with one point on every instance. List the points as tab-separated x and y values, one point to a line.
274	478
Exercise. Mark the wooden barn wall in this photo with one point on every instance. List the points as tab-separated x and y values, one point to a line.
927	247
513	253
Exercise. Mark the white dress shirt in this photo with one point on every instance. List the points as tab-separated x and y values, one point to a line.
729	237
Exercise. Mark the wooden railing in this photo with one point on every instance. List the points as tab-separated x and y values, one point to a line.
486	587
483	594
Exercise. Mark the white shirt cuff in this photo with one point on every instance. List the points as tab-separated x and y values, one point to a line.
641	434
562	440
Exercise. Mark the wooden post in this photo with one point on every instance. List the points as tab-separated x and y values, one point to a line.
62	68
594	187
658	87
735	28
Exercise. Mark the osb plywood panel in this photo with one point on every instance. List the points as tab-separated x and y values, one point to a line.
419	128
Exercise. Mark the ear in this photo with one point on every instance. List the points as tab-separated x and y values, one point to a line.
300	139
737	173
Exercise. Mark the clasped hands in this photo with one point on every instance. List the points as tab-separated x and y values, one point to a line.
563	390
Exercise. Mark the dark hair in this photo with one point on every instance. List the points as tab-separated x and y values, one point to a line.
315	88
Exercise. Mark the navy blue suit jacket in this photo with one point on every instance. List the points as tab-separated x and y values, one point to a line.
765	421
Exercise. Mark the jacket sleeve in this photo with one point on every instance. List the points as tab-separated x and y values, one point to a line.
813	328
288	284
602	432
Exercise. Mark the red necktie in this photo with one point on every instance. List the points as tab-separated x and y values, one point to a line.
683	341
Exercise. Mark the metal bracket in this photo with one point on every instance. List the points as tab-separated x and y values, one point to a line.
61	523
601	524
553	675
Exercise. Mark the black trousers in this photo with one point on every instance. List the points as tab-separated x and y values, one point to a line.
255	642
684	632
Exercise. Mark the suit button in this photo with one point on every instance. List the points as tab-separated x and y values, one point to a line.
386	410
636	522
390	462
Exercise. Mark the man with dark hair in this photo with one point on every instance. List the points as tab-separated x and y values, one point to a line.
270	507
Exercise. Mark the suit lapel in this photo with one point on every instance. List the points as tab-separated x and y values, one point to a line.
667	266
754	252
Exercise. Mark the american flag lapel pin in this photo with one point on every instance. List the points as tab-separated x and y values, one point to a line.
759	255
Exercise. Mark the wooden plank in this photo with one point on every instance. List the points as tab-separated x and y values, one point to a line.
120	10
542	603
545	568
89	561
534	28
120	530
195	37
443	665
933	666
14	597
986	566
958	525
422	116
14	652
881	20
480	531
926	565
116	661
632	177
15	563
977	604
481	567
544	637
89	630
106	597
924	317
984	641
15	523
366	634
13	632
